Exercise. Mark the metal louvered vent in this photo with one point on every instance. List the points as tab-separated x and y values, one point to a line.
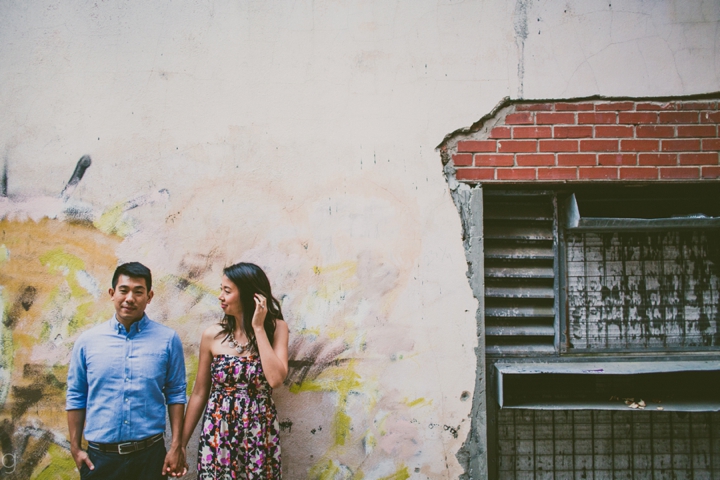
519	273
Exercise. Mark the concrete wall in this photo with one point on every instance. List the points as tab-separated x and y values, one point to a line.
301	136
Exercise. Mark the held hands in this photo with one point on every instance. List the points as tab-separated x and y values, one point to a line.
175	464
258	320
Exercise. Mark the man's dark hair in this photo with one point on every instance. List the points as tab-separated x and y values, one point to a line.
133	270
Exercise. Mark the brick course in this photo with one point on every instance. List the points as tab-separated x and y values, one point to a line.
604	140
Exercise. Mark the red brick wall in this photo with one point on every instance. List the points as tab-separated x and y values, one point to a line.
597	140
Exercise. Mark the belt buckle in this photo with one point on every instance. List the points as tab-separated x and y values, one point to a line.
131	445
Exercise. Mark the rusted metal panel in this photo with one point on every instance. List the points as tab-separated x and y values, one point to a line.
528	252
528	330
518	232
643	290
520	311
519	272
534	444
520	291
635	224
535	345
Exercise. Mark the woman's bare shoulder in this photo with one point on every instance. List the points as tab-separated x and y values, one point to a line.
212	331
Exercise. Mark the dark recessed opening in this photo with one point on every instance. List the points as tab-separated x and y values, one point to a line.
569	388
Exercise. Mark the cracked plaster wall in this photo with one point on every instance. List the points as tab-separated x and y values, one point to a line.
300	135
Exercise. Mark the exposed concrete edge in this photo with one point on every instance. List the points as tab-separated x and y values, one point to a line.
473	454
505	102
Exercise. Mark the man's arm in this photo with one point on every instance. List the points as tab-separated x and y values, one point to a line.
76	403
76	425
175	459
175	397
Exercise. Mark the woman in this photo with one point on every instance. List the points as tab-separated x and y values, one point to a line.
241	360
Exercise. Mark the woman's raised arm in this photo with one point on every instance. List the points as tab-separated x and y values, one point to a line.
274	358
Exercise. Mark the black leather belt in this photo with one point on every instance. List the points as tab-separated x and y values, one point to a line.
126	447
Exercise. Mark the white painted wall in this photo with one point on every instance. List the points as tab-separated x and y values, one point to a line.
301	136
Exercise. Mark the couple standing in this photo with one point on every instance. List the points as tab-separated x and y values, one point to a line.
124	371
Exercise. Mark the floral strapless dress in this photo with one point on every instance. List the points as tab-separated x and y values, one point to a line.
240	430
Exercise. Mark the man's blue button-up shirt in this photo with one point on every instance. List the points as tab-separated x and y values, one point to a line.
124	379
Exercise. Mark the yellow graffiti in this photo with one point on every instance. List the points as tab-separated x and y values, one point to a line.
341	422
381	424
69	266
340	380
329	469
195	289
58	262
58	464
400	474
6	362
66	264
57	259
191	368
112	221
342	279
370	442
308	332
82	314
418	402
345	269
326	470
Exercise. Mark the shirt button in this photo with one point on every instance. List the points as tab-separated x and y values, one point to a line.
127	379
126	421
126	400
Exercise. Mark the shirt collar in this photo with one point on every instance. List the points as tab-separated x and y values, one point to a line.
136	326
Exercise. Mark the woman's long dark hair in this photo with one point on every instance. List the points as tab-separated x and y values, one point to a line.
250	279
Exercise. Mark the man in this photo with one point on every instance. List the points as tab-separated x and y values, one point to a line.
122	374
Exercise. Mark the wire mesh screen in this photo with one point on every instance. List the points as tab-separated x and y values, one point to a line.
598	445
643	290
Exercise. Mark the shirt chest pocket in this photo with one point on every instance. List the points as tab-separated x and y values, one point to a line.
152	365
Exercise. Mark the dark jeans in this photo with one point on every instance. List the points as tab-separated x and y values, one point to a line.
143	465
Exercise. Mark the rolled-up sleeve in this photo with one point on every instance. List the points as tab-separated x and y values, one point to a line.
176	383
77	386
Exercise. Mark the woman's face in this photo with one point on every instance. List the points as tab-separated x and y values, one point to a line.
230	298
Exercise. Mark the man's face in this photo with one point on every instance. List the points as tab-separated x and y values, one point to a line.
130	298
